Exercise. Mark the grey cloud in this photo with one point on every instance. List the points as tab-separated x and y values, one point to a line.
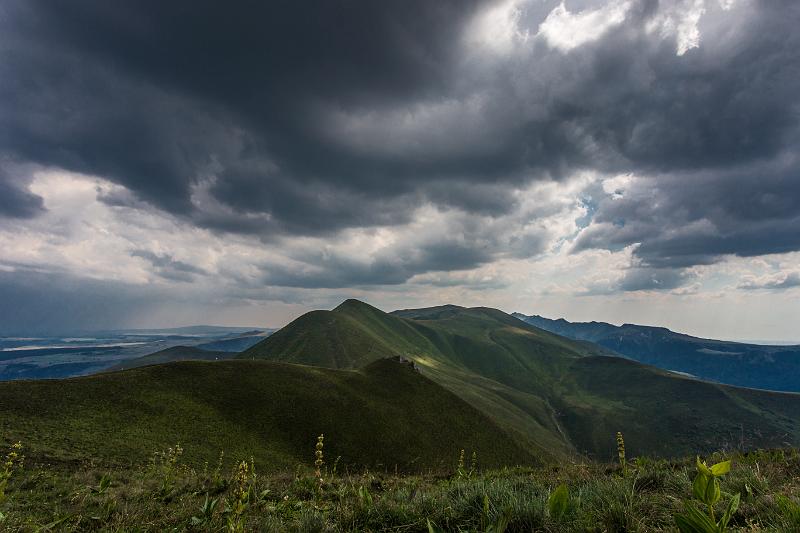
16	201
168	267
640	279
786	281
696	218
392	268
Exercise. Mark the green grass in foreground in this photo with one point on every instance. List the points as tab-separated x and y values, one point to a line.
169	495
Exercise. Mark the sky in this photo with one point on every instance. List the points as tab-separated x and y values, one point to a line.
174	163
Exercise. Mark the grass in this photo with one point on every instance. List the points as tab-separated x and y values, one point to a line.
240	496
558	397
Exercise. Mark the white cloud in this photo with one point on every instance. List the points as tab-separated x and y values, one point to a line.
496	29
680	19
565	30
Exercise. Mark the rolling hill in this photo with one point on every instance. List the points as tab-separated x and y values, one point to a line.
555	395
382	415
173	354
734	363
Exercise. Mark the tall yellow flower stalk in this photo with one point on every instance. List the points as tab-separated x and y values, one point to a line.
12	463
621	453
319	460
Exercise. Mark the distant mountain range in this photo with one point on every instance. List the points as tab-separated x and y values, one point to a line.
758	366
75	355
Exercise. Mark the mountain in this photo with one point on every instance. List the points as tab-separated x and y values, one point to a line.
382	415
200	331
555	395
734	363
170	355
236	343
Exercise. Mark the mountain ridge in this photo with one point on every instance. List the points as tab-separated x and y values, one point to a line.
768	367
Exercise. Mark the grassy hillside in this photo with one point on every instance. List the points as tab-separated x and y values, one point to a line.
384	415
734	363
173	354
558	395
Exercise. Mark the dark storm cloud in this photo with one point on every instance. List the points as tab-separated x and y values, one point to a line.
337	271
696	218
157	96
287	118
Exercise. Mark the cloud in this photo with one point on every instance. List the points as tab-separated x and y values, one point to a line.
198	110
565	30
698	218
167	267
16	200
781	280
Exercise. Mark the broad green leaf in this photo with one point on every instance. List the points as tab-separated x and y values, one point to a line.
712	492
732	507
701	467
558	502
695	521
720	469
700	485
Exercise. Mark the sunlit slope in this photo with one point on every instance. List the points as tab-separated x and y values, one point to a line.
352	335
560	396
383	415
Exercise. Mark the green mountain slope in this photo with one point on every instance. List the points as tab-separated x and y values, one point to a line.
383	415
556	395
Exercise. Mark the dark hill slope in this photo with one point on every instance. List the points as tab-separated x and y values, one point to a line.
734	363
384	415
561	395
173	354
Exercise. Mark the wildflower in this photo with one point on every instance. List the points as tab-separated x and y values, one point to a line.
621	452
243	479
319	460
13	462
